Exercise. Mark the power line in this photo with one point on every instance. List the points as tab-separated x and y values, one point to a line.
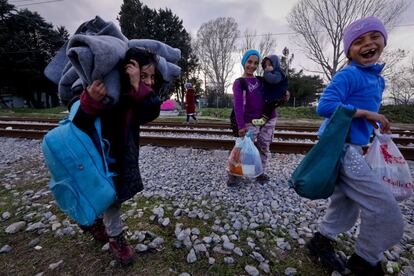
295	33
44	2
16	1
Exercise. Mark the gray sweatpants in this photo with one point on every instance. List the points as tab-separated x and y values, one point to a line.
359	192
112	220
263	137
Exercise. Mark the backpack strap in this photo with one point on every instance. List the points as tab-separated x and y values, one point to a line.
244	88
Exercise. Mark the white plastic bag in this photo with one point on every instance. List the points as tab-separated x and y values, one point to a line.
244	159
386	160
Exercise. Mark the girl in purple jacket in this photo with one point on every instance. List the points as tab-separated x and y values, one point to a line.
249	105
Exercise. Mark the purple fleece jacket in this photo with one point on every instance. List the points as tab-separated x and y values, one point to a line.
254	103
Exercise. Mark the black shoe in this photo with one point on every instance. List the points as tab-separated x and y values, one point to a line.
263	178
360	267
323	248
233	180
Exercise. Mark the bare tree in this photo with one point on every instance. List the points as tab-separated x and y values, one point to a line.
401	84
265	45
391	59
320	25
216	42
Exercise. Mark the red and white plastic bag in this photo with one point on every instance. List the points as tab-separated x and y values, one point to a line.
386	160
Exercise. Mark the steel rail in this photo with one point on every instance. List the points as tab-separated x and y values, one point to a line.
277	135
219	125
202	143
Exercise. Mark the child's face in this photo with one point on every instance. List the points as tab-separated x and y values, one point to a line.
367	48
251	65
267	63
148	74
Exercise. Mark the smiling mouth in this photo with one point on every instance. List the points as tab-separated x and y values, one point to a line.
368	53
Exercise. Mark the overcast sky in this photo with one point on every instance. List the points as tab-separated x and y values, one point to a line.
264	16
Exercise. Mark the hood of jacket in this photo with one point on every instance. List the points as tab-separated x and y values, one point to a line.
274	59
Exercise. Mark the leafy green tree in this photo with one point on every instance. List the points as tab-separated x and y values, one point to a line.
304	89
27	44
139	21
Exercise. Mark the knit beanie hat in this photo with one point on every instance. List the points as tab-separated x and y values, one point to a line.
360	27
188	85
248	54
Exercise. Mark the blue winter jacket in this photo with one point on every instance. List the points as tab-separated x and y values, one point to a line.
354	87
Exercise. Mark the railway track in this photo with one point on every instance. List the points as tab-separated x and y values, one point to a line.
38	130
217	125
224	131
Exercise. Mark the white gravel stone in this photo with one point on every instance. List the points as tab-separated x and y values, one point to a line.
6	249
55	226
290	271
207	240
200	248
5	215
34	242
54	266
265	267
251	270
228	245
156	243
105	247
238	251
191	257
141	247
211	261
15	227
165	222
228	260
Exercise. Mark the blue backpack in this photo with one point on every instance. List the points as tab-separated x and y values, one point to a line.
81	182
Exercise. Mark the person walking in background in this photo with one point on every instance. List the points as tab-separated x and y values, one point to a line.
358	191
275	85
121	122
190	102
249	105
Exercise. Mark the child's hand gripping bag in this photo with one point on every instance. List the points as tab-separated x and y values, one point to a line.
386	160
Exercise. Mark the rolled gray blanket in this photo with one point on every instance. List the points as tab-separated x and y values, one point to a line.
168	70
94	53
98	26
94	57
68	78
171	54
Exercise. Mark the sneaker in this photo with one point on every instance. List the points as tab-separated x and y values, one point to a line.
360	267
233	180
263	178
97	230
121	250
259	122
323	248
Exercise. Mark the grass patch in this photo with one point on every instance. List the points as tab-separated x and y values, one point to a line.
395	113
47	113
398	113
